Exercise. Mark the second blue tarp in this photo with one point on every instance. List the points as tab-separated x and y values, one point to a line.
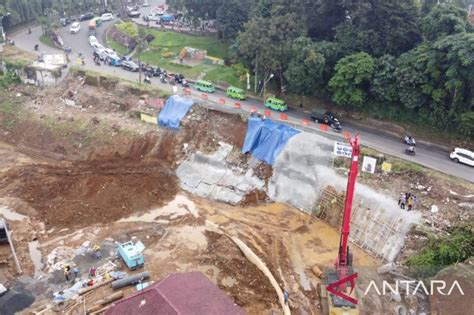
265	139
176	107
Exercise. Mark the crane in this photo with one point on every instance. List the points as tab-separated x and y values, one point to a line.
340	282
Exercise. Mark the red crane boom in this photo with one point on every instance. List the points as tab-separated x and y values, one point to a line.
344	258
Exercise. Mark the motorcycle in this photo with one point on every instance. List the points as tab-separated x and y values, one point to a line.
410	151
163	78
36	47
185	83
409	141
96	61
179	78
336	126
147	79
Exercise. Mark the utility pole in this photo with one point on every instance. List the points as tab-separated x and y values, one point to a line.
256	71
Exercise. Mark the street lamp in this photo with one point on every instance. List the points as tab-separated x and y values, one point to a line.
265	83
1	25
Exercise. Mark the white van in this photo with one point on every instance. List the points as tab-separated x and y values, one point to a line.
462	156
75	27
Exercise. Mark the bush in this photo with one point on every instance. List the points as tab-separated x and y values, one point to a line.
167	54
440	253
8	79
128	28
239	70
149	38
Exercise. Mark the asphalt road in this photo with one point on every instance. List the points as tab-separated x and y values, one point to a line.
426	155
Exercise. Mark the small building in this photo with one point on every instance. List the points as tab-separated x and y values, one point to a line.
188	293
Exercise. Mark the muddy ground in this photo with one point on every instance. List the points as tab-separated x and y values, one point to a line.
95	173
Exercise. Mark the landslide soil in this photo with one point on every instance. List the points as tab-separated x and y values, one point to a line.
84	192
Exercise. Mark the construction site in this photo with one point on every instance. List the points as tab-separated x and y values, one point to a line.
85	169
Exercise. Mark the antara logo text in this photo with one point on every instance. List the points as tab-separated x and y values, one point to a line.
412	287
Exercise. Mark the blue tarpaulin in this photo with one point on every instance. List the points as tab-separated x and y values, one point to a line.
176	107
266	139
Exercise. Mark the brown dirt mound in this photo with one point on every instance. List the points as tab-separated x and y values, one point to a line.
112	183
254	197
83	193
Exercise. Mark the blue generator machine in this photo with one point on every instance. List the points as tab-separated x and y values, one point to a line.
132	254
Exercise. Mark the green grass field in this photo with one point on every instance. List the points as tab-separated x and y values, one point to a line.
117	47
175	42
172	42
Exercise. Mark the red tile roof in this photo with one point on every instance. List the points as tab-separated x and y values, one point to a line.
179	294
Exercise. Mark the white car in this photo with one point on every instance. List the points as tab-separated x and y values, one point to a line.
75	27
462	156
93	40
97	46
151	17
110	53
107	17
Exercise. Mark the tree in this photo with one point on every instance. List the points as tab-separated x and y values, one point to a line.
380	27
383	86
266	43
142	44
428	5
412	77
305	69
444	20
231	17
350	83
203	9
437	80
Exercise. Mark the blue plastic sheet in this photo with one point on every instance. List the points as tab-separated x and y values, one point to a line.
176	107
266	139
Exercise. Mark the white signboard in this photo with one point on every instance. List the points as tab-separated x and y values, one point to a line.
342	149
369	164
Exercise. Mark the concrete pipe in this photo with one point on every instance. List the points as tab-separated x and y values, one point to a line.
120	283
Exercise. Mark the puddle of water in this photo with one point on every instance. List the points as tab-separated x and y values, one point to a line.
180	206
35	256
11	215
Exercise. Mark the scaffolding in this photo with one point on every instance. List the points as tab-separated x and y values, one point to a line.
373	230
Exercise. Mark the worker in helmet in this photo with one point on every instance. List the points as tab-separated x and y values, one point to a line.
97	252
67	271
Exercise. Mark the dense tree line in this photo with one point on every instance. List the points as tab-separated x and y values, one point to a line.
405	59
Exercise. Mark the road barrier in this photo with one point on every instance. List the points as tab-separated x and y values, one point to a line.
204	96
284	116
268	113
253	109
222	101
323	127
187	91
305	122
237	105
347	135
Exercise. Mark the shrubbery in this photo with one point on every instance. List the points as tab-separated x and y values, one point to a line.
442	252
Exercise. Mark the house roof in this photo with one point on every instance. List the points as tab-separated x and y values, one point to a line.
178	294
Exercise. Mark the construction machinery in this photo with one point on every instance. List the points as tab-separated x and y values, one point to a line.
132	254
337	292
